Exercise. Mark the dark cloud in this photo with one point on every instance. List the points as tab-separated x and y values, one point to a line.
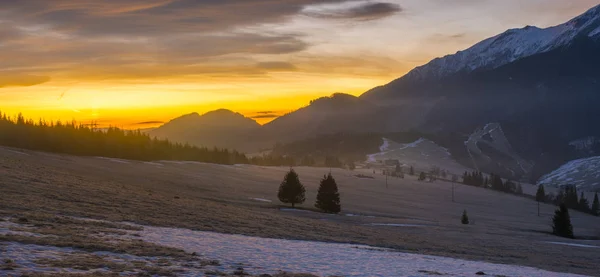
264	116
152	17
363	12
11	80
148	122
265	112
145	38
276	66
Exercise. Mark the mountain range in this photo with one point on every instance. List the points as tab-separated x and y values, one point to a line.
513	104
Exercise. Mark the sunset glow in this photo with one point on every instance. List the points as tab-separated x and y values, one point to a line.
137	64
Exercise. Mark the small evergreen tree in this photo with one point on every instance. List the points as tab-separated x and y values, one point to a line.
422	176
291	190
411	172
540	195
584	205
465	218
561	223
596	205
328	197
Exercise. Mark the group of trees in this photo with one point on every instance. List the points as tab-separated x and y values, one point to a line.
86	140
78	139
493	181
569	196
291	191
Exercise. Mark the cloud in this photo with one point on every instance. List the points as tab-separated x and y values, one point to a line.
121	39
276	66
11	80
362	12
148	122
264	116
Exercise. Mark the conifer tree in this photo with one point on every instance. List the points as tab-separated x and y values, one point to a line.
422	176
411	172
328	197
584	205
596	205
464	218
291	190
540	195
561	223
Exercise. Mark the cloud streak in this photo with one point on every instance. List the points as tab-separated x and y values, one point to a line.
11	80
362	12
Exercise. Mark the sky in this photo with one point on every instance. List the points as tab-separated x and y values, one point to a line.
139	63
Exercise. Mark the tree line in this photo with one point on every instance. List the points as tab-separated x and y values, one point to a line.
493	181
569	196
291	191
85	140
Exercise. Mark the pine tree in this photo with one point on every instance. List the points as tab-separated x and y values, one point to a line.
584	205
422	176
291	190
561	223
540	195
465	218
328	197
411	172
596	205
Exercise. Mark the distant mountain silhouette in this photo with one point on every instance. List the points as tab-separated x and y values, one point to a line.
221	128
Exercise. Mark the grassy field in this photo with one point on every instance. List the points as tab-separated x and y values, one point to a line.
504	229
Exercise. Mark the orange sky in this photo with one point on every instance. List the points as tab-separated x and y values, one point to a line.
136	64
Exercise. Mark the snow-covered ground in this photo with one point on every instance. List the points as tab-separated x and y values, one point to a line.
421	154
271	255
584	173
263	255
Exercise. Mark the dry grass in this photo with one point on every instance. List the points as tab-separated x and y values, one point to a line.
505	229
86	236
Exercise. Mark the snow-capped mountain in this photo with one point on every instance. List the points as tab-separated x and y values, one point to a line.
510	46
583	173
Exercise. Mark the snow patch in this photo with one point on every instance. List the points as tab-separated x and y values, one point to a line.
261	200
572	244
396	225
18	152
114	160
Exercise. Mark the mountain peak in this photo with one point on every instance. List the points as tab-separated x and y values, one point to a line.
507	47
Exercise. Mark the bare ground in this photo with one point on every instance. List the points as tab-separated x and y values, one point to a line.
505	229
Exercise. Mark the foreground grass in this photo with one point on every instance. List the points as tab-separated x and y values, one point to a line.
175	196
